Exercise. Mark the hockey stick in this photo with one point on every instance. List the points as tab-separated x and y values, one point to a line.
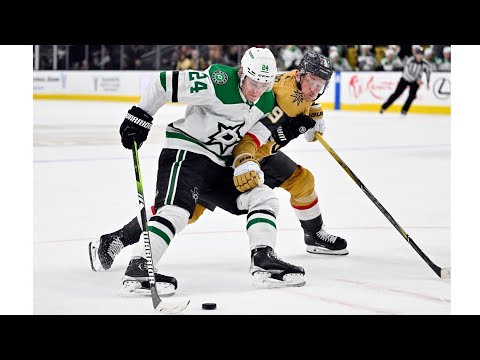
158	304
443	273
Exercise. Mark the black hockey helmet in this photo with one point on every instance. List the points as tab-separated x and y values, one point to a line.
316	64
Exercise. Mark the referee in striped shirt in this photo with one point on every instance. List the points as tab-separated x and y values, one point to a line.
412	77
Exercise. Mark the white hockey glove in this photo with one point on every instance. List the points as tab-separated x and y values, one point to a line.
316	113
247	173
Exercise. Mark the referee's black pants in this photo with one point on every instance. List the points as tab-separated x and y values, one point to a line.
402	85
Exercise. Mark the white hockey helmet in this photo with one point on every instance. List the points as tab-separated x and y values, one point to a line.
258	64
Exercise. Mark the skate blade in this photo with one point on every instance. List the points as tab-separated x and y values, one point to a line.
263	280
94	260
134	289
171	308
319	250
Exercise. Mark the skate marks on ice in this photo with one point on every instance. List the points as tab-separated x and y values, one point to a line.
210	259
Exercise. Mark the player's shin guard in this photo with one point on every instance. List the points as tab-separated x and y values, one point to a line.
267	268
168	221
262	205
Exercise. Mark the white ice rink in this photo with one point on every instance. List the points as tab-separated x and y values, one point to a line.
84	186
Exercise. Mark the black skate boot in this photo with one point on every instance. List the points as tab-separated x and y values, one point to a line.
321	242
136	282
102	252
270	271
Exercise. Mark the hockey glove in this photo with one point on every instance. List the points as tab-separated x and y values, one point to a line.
316	113
291	129
247	173
136	126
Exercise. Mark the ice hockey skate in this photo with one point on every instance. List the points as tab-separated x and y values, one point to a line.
103	251
321	242
136	282
269	271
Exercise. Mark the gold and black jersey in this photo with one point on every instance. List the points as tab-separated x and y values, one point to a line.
289	100
289	103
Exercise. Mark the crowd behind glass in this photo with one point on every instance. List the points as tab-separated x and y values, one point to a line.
199	57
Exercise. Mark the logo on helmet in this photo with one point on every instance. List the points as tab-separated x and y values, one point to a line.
258	64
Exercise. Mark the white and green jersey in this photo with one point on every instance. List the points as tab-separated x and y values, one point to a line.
217	115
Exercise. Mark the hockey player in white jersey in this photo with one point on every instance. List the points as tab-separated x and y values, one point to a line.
223	104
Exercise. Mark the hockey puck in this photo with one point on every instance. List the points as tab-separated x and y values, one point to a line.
209	306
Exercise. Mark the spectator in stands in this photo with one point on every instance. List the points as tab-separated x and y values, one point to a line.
77	54
366	61
199	62
61	58
291	56
332	48
232	54
308	48
339	63
134	57
431	59
185	62
396	51
215	55
444	64
391	62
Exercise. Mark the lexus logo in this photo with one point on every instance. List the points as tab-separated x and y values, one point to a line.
441	88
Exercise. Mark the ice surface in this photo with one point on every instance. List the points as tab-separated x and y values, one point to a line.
84	187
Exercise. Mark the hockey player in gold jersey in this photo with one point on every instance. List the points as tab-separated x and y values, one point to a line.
296	112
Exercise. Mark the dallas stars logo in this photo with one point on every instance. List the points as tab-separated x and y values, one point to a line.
226	136
297	97
219	77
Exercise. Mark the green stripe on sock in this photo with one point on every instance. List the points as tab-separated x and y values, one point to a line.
160	233
260	220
